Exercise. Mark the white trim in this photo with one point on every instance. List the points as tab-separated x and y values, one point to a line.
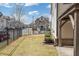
72	20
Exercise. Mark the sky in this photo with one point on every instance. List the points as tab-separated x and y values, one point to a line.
30	11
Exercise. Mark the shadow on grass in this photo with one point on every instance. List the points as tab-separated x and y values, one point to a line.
16	47
51	43
13	50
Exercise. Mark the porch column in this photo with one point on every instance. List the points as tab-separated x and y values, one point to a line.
76	33
59	33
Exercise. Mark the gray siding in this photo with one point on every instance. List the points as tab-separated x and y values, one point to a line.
62	7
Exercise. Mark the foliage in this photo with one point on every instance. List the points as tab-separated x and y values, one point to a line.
48	37
49	29
47	34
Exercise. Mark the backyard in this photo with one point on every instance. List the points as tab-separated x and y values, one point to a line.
31	45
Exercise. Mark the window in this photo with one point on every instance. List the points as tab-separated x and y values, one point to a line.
42	28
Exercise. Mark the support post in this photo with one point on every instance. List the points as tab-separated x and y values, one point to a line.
7	36
13	35
76	33
59	33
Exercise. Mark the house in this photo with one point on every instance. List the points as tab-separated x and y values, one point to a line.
16	27
40	25
3	24
68	25
12	27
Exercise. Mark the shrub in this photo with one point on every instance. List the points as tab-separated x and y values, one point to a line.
48	37
48	29
47	33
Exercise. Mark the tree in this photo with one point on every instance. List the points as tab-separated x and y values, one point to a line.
19	10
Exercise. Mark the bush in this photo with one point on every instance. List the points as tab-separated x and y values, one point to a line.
48	29
47	33
48	38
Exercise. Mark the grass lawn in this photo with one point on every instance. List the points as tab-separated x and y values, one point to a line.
10	48
30	46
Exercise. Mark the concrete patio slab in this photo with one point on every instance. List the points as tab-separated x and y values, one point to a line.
65	51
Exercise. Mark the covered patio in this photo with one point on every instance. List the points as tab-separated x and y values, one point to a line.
68	28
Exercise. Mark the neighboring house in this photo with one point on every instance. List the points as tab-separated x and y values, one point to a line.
67	25
17	27
12	27
3	24
40	25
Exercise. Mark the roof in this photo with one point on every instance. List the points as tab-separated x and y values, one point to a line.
42	20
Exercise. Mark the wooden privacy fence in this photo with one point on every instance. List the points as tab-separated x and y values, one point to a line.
8	36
